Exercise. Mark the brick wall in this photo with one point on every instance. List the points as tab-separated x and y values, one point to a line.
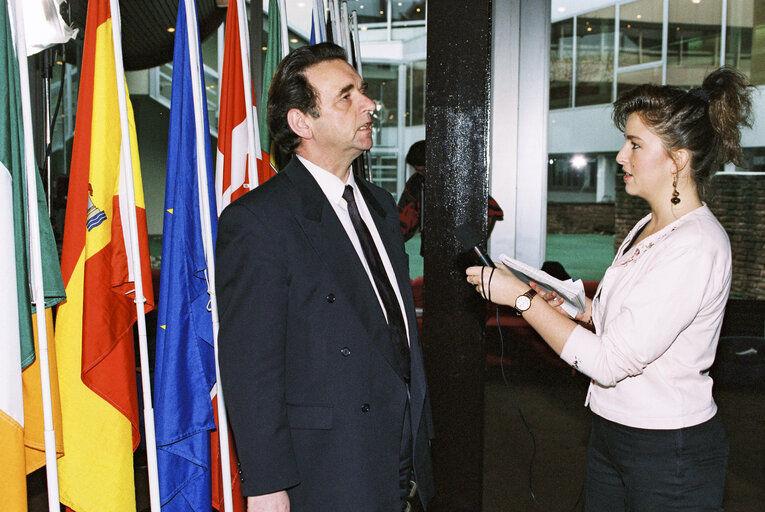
738	201
739	204
578	218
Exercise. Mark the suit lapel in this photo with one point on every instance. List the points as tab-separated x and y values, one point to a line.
327	236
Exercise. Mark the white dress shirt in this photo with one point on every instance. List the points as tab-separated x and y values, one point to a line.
333	188
657	316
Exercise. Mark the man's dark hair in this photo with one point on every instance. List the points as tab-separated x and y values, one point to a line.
416	155
290	89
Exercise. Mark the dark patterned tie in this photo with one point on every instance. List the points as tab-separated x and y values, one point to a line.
384	288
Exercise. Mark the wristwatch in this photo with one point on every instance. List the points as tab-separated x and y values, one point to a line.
523	302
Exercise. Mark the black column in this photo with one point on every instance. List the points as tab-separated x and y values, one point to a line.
456	192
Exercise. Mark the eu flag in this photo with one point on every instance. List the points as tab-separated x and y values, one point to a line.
185	359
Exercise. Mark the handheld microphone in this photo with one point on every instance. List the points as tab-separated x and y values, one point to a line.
469	239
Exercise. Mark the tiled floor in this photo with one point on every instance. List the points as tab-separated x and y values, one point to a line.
551	399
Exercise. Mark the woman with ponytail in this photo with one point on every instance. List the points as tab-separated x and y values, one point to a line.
657	442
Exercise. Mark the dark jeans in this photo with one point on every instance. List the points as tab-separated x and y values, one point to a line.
639	470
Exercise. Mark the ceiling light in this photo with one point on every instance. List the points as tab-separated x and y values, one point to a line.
578	162
639	16
561	9
171	29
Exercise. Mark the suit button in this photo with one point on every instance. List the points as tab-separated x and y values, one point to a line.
345	351
365	408
331	298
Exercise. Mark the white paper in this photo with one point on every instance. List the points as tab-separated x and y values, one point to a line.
572	292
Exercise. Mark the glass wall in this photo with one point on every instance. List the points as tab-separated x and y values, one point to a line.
583	60
572	178
640	32
629	79
376	11
561	63
415	99
694	36
754	160
595	57
382	80
408	10
369	11
745	38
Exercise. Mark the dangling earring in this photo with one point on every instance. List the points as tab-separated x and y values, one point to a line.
675	194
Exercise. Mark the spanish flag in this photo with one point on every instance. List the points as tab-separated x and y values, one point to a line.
94	327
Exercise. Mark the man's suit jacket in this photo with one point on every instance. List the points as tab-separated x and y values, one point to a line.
315	397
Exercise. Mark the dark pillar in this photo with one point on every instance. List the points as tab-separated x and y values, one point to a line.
456	191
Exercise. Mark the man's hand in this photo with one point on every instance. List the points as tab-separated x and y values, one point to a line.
274	502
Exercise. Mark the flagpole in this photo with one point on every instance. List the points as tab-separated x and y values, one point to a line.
319	21
251	112
192	31
346	32
357	45
38	289
333	15
337	29
285	30
126	174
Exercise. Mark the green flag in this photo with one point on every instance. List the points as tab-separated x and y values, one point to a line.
273	57
12	166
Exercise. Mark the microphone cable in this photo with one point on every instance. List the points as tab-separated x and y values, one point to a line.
517	406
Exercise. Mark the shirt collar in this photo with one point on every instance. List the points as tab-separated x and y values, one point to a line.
332	186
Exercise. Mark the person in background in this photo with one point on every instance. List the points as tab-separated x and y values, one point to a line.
319	354
411	200
657	442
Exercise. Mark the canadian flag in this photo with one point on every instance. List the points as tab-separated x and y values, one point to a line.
238	136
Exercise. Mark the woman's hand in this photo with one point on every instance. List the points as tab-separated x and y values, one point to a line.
497	285
556	302
551	297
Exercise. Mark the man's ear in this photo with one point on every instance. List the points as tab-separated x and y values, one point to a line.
299	124
681	157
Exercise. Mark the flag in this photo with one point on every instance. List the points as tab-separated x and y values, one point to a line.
232	176
185	364
94	326
318	25
43	25
273	57
21	426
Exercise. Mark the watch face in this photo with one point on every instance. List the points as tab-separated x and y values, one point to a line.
522	303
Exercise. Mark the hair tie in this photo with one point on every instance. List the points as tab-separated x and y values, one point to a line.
699	93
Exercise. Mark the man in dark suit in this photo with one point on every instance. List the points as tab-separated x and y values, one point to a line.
319	356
